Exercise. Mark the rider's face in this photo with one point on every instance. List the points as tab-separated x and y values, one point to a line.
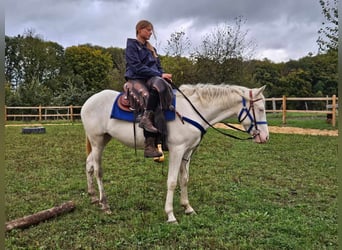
146	33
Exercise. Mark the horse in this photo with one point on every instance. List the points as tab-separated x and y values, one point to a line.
199	106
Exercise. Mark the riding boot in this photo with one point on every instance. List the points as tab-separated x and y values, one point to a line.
146	122
150	148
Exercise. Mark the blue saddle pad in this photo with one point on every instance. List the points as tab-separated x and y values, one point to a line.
120	114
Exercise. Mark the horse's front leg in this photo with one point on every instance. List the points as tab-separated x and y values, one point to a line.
183	181
174	165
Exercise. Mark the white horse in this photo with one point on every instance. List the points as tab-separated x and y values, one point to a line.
214	103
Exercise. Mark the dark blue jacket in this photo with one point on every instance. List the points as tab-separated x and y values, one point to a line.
140	63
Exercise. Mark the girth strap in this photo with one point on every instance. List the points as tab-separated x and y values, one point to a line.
196	124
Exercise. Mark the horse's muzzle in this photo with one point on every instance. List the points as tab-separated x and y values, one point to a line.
260	136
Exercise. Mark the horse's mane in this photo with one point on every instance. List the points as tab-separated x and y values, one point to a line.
211	94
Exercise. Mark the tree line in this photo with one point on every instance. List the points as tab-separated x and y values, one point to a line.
40	72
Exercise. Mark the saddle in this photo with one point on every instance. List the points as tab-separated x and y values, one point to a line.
134	97
134	101
136	94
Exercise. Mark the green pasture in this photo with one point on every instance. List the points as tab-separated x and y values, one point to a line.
279	195
302	120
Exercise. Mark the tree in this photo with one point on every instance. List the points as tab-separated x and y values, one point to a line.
117	74
29	57
178	44
74	91
222	52
323	72
182	69
328	34
226	42
269	74
11	97
92	64
13	57
32	66
298	83
34	93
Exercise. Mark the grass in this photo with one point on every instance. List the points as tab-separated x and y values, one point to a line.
280	195
315	121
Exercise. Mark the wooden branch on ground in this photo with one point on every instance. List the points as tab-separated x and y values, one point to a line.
33	219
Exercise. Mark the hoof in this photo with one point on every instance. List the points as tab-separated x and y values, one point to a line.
94	200
190	212
107	211
105	208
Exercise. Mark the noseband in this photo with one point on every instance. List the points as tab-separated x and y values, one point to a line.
247	112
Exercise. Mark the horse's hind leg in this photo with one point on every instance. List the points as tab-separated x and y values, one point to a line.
90	178
93	166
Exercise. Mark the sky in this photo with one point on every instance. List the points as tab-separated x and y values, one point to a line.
282	30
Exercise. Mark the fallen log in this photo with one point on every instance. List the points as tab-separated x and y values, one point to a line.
33	219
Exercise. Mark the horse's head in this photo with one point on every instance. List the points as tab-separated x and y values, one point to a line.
252	114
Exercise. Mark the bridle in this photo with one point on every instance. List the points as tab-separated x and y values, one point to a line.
244	109
254	122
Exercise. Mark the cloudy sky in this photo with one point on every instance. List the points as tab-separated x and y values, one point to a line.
281	29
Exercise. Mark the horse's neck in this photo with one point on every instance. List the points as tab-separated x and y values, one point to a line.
214	110
216	113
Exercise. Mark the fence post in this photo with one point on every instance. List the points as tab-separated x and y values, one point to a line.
40	112
274	107
284	109
333	121
5	113
71	113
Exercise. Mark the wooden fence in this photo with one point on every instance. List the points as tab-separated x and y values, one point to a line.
71	112
41	113
331	106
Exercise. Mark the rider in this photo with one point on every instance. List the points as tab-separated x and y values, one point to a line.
142	63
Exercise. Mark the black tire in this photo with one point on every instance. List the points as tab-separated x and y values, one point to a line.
33	130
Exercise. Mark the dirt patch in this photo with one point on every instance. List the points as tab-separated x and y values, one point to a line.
291	130
272	129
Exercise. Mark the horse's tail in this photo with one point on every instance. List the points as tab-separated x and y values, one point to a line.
88	146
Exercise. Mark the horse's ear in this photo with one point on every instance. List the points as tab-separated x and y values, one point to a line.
261	90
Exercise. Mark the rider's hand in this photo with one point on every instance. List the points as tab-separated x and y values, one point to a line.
167	77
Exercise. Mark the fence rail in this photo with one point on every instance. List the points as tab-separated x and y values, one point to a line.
331	106
43	112
73	112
